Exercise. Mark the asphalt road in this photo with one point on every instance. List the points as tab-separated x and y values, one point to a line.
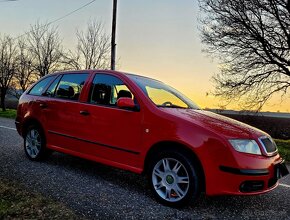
100	192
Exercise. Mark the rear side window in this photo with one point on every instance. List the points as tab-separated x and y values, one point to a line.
70	86
39	87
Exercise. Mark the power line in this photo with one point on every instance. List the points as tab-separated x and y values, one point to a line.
8	1
57	19
68	14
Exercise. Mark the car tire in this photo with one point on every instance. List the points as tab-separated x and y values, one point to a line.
174	179
35	143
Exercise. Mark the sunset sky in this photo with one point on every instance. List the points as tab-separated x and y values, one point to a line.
159	39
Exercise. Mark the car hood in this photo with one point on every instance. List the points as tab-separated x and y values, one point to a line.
216	123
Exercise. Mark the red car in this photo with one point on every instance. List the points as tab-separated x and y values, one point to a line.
144	126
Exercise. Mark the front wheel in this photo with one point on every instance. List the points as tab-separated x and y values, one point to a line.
34	143
173	179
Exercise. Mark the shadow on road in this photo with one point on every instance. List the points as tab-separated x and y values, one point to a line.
139	183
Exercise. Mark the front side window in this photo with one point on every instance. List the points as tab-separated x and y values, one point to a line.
70	86
39	87
161	94
106	90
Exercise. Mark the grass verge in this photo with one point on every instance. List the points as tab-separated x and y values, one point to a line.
284	148
17	203
9	113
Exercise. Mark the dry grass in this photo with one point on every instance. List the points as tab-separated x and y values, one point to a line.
17	203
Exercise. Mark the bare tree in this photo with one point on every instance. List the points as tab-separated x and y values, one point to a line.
25	72
93	48
45	47
8	51
252	40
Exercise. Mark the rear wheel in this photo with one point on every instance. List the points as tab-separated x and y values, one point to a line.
34	143
174	179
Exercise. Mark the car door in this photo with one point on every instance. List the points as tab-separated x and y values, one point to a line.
62	112
113	134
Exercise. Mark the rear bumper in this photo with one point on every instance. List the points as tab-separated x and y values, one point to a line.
18	126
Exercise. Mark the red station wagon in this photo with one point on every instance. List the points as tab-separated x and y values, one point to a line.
145	126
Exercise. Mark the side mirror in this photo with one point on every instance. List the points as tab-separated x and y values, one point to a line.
126	103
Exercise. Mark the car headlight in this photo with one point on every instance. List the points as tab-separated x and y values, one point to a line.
246	146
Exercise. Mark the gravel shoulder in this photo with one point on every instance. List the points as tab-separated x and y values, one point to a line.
95	191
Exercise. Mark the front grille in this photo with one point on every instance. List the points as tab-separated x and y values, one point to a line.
268	144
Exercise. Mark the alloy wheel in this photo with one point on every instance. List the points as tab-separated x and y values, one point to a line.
170	179
33	143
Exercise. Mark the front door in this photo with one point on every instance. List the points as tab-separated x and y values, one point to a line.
111	133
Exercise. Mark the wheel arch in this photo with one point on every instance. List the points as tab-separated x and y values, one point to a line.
28	122
185	150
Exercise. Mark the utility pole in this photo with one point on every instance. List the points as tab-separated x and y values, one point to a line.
113	39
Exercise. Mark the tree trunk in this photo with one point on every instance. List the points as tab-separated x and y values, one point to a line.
3	94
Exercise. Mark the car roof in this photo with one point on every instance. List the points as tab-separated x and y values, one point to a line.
92	71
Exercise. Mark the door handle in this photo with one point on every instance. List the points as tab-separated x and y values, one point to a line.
85	113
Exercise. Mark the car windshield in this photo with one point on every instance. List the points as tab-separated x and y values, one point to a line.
161	94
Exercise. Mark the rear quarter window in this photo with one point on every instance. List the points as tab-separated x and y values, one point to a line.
40	86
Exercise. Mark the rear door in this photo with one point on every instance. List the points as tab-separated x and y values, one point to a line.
62	111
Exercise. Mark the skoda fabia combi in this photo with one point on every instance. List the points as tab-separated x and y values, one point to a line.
145	126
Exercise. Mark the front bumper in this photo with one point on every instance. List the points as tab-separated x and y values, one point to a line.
254	186
245	180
